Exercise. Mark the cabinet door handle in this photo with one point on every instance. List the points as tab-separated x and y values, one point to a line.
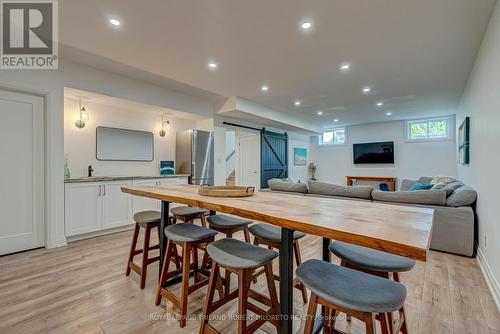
104	190
99	190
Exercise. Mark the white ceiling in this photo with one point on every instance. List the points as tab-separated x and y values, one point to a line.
416	55
110	101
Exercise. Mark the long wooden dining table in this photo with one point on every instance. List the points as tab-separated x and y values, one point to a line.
400	230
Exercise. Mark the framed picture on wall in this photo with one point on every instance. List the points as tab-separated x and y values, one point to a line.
300	156
463	142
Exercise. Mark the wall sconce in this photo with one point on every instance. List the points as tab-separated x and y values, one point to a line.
84	116
165	125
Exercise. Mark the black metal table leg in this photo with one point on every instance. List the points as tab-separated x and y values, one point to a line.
318	324
286	280
165	207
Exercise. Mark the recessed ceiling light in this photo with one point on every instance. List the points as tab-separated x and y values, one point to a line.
115	22
336	120
297	103
212	65
345	67
366	90
388	113
264	88
320	113
380	104
306	25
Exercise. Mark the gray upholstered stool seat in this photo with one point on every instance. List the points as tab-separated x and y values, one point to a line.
185	232
271	233
146	217
351	289
371	259
223	221
238	254
187	211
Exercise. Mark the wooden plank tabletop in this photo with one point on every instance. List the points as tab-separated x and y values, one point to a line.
396	229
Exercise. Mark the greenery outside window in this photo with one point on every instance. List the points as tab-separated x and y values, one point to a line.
429	129
333	137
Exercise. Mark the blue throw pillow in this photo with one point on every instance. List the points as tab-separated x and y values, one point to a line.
420	186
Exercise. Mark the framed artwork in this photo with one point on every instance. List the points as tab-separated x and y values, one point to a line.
463	142
300	156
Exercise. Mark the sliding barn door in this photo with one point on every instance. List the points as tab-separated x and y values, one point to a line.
274	156
22	172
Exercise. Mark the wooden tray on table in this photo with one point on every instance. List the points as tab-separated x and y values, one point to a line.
226	191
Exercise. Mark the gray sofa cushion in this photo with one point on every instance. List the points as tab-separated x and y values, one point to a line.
463	196
425	179
430	197
323	188
285	185
406	184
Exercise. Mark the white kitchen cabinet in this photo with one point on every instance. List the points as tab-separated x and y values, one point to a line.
143	203
95	206
116	205
83	206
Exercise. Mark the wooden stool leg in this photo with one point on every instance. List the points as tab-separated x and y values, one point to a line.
145	253
175	256
185	283
246	233
256	243
132	249
311	314
164	272
195	263
298	260
383	323
212	283
273	296
404	326
227	274
370	323
203	220
243	284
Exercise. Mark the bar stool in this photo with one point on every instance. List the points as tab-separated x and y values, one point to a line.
376	263
146	220
271	236
339	289
229	225
190	237
188	214
243	259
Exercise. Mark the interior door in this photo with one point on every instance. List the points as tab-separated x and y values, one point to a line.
274	156
249	162
22	176
116	205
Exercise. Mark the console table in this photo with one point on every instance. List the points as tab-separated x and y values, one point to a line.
391	181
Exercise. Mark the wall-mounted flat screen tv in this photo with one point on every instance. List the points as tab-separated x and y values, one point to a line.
374	153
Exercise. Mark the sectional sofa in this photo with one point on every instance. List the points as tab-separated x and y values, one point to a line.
454	216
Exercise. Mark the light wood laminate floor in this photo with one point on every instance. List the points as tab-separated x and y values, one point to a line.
82	288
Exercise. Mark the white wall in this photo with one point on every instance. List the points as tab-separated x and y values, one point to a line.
481	102
50	84
79	144
297	173
411	160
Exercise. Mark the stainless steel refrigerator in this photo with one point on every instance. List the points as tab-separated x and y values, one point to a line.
194	155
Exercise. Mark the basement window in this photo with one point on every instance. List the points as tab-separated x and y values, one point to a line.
429	129
333	137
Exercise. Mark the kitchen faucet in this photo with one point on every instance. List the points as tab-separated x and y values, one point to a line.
90	170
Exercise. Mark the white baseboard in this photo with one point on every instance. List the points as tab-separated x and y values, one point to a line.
100	233
490	278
